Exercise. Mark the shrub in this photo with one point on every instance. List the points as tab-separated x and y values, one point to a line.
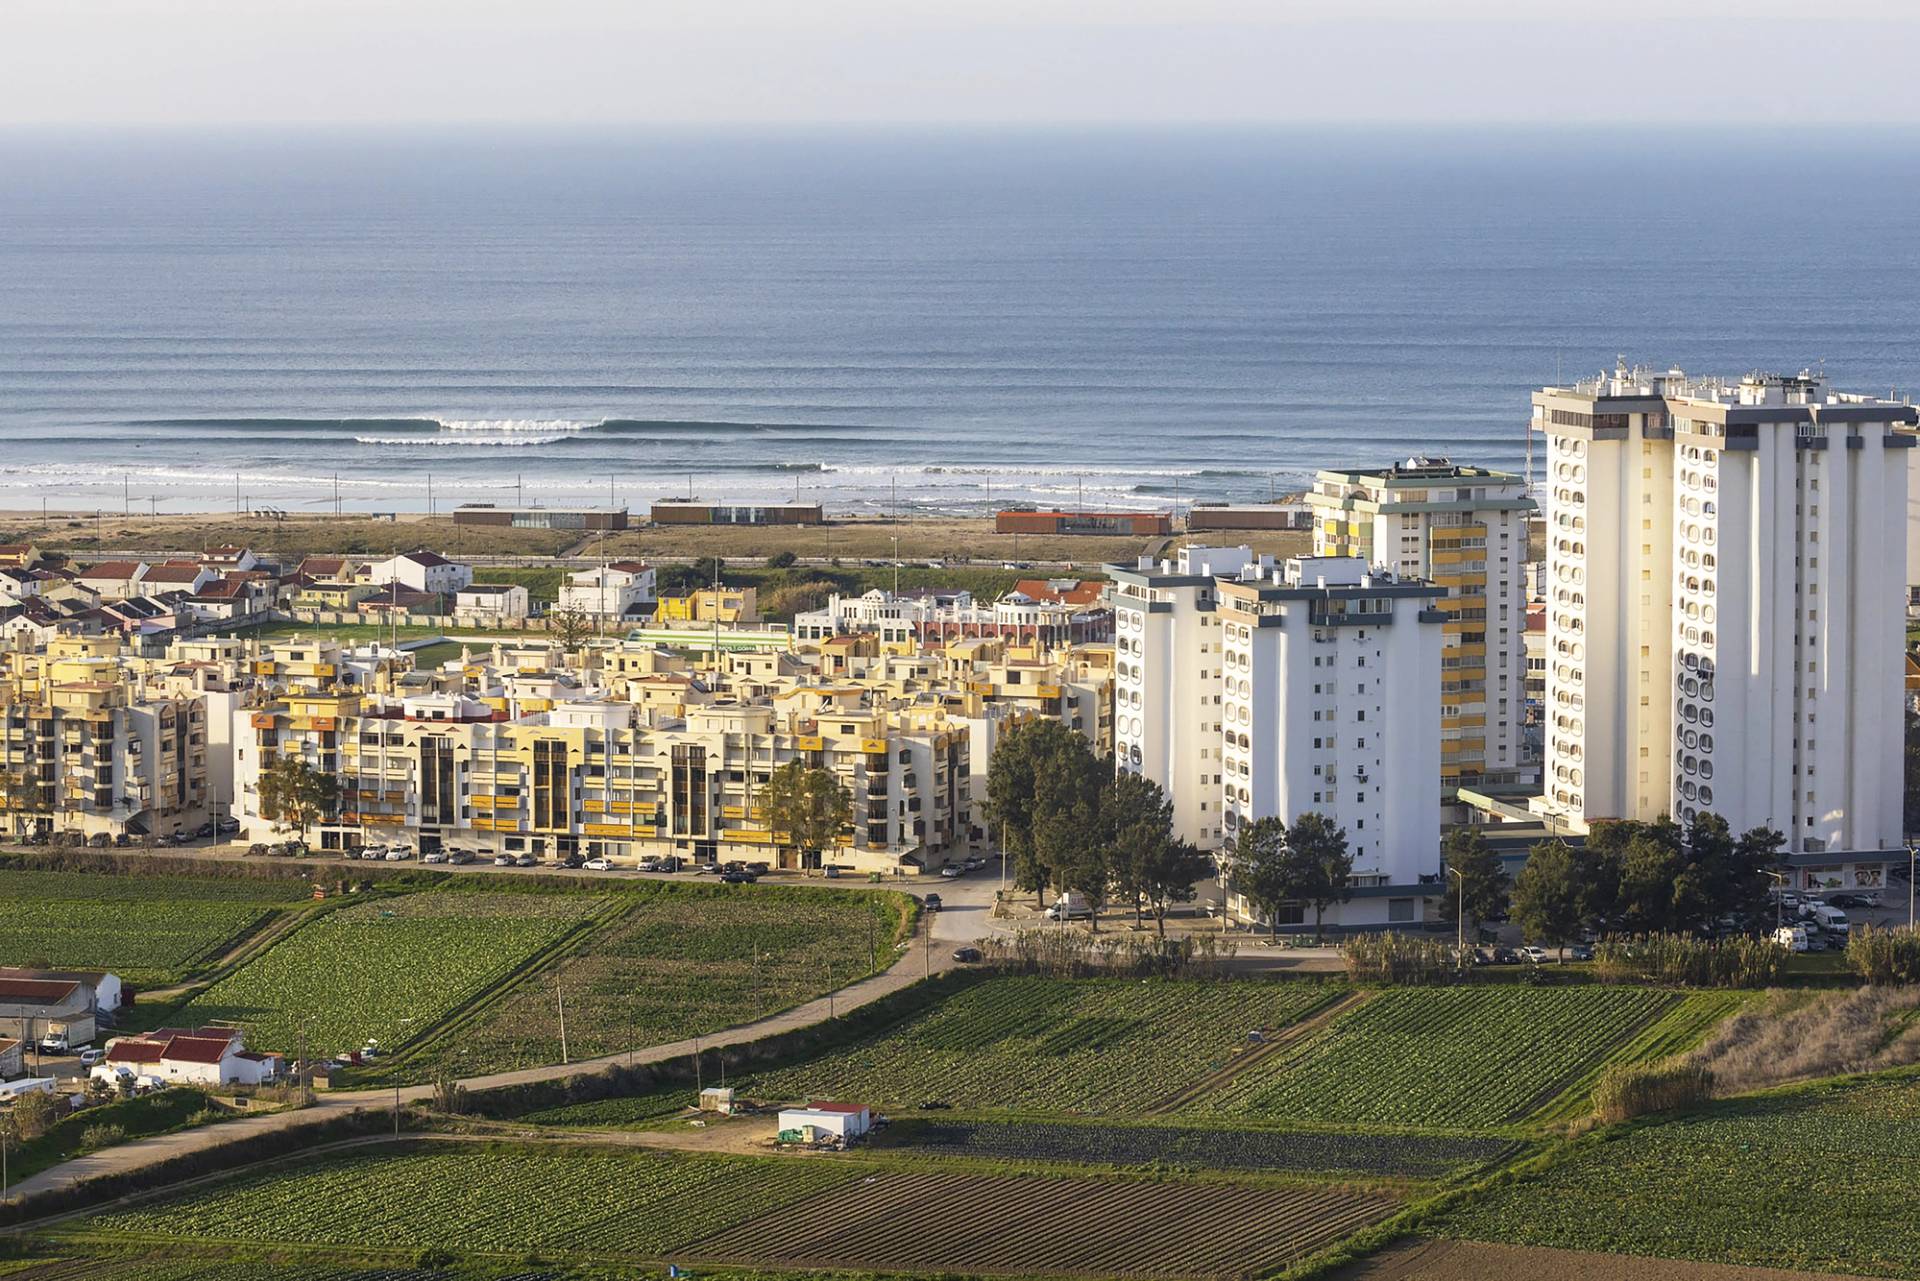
1683	960
1628	1090
1884	956
1398	958
95	1137
1071	954
34	1114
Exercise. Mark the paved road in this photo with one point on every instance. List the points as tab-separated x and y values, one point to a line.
925	955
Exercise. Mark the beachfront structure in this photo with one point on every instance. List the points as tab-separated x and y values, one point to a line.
1726	568
1167	692
1026	521
1464	529
694	512
581	518
425	572
1289	513
621	590
88	747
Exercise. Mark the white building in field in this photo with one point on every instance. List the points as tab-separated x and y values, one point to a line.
1464	529
1329	706
1726	574
1167	668
624	589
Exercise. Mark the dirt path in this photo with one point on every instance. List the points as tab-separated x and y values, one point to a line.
914	963
1479	1261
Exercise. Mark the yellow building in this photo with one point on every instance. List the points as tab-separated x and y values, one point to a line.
706	605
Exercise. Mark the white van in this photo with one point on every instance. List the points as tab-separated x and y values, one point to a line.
1830	918
1792	937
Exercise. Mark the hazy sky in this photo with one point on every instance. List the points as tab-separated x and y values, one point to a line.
1081	61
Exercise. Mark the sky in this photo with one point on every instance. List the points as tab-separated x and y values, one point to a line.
888	62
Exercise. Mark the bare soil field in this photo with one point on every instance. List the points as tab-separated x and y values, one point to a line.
946	1223
1475	1261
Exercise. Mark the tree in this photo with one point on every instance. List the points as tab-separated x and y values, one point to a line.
1068	836
1027	754
1480	889
1260	871
1318	864
1550	893
1138	822
1168	876
782	560
809	805
571	627
34	1113
1750	874
294	795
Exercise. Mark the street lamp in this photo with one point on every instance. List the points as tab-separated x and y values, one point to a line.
1460	924
1910	853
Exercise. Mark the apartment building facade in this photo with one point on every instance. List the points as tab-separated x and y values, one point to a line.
1465	530
1726	575
88	747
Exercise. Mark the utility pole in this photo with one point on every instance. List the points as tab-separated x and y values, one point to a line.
696	1065
872	960
396	1111
561	995
1460	924
1910	854
829	991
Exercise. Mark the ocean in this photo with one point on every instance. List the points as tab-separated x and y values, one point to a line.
944	321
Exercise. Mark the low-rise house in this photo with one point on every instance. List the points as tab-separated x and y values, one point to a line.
491	604
32	1008
230	599
176	575
823	1120
19	555
215	1056
229	559
105	993
622	590
422	571
395	599
114	578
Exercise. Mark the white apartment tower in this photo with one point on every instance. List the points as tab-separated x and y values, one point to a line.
1167	695
1464	529
1726	572
1249	689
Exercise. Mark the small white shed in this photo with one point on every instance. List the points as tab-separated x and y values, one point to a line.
821	1120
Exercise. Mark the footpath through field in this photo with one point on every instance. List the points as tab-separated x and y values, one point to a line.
922	957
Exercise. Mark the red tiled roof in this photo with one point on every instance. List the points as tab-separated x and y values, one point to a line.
429	559
36	991
1083	592
113	569
198	1049
173	574
136	1051
629	566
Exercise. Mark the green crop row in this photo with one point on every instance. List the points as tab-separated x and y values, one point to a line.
1092	1046
1456	1058
388	969
484	1199
1819	1180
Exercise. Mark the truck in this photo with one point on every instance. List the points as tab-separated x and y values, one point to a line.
59	1038
1829	918
1070	906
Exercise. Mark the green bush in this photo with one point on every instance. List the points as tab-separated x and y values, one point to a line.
95	1137
1628	1090
1884	956
1682	960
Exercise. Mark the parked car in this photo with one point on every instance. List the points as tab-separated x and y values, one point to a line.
952	870
434	856
974	864
398	854
503	860
226	826
1580	952
599	865
460	858
931	902
526	860
831	872
89	1057
739	876
649	865
1505	956
967	955
1538	955
204	831
708	868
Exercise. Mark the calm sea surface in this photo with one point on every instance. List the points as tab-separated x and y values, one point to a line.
972	317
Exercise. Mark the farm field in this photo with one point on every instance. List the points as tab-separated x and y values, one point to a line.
388	969
147	929
174	1267
922	1223
1818	1179
1296	1151
480	1199
1087	1045
1482	1261
625	1112
1461	1058
684	961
